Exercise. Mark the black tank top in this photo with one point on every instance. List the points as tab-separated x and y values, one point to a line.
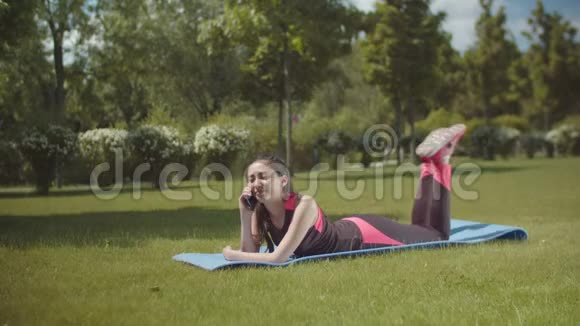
323	237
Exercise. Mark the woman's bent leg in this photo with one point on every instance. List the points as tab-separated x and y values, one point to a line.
432	202
436	151
430	218
379	231
441	206
421	214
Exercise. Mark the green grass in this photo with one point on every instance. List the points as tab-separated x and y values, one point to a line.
71	258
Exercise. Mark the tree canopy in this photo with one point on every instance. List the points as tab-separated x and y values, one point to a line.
285	64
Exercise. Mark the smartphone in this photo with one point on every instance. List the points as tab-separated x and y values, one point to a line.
251	202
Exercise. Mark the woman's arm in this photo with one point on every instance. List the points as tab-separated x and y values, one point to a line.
304	217
248	221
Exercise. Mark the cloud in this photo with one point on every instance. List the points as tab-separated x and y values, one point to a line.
516	27
364	5
460	9
575	21
462	16
460	22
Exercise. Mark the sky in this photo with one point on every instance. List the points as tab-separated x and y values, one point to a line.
460	21
462	15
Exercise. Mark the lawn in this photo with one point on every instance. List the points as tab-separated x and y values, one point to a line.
71	258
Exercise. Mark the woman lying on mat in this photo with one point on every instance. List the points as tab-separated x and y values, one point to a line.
296	225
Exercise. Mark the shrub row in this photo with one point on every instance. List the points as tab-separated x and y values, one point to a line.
51	152
55	152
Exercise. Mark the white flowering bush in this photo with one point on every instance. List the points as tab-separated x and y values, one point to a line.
52	142
221	143
46	149
99	145
566	139
158	146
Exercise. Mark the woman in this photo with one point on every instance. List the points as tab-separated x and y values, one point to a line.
296	225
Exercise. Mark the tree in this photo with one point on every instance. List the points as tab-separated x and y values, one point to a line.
150	60
487	63
289	44
61	16
349	104
401	55
206	80
553	63
16	13
450	87
24	70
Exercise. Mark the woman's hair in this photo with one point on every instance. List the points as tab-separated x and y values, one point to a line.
262	214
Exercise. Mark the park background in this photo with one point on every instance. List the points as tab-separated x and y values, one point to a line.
199	82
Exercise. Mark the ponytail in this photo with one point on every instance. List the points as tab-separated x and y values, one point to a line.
264	224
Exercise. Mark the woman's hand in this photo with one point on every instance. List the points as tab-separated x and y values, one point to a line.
229	253
248	223
246	193
268	257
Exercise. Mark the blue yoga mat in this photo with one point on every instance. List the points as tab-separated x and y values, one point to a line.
462	232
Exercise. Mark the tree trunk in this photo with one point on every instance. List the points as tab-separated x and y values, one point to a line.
546	111
546	80
550	149
154	177
398	126
216	105
44	172
411	110
59	92
288	106
58	178
488	152
280	149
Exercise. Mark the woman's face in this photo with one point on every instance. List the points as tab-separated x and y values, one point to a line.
266	184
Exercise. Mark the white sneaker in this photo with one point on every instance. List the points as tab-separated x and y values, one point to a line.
440	143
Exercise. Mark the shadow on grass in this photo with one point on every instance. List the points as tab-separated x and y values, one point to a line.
501	169
82	191
369	174
122	229
118	229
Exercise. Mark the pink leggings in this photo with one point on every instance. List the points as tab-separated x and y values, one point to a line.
430	217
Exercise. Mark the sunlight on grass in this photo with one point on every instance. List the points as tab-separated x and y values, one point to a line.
71	258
